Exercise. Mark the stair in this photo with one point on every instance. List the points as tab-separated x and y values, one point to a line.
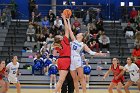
14	40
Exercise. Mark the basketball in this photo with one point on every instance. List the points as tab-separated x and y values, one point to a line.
67	13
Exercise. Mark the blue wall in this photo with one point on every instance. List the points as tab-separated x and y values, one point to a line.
115	5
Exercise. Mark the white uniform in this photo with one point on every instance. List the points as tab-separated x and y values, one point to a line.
76	49
133	71
12	76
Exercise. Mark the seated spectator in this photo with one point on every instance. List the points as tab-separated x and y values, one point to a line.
51	17
45	22
136	51
87	18
94	46
76	25
41	39
53	30
3	20
98	36
38	64
137	39
104	42
44	48
138	28
33	18
99	25
49	40
30	33
129	31
58	23
133	15
92	28
137	19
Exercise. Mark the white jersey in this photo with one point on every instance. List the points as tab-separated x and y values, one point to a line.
133	71
76	48
12	69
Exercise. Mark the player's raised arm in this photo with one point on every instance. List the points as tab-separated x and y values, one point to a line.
66	25
71	33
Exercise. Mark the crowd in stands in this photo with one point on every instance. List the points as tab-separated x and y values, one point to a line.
132	31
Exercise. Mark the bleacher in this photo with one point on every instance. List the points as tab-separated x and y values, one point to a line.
119	47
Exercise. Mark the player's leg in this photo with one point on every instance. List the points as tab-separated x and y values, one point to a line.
81	77
75	80
54	77
51	78
62	76
119	87
111	86
126	86
18	86
87	78
2	84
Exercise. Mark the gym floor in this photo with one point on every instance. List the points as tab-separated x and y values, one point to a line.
46	89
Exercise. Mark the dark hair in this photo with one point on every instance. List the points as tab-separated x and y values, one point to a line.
1	61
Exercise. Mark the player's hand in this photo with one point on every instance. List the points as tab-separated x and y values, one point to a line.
63	16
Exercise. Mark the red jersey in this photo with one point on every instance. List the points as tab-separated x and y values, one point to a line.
2	72
116	72
64	54
66	50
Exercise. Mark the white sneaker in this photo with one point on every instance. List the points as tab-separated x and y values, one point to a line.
55	85
108	52
87	85
100	51
50	85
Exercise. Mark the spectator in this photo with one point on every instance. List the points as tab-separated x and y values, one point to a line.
128	31
136	51
133	15
98	36
98	14
99	25
33	18
3	20
44	49
45	22
7	12
51	17
31	7
137	19
87	18
30	33
58	23
37	14
94	46
49	41
138	28
137	39
41	39
92	28
104	42
76	25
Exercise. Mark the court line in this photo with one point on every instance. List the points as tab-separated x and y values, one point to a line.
47	87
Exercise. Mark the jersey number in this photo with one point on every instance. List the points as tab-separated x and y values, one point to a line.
74	47
14	72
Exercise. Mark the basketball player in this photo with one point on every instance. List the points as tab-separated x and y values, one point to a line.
3	83
12	68
62	45
134	74
77	46
117	80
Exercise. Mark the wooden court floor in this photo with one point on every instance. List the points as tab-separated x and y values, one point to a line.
46	89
